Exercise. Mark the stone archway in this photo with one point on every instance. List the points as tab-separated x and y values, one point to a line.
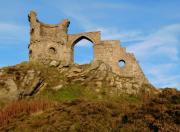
93	37
81	38
83	50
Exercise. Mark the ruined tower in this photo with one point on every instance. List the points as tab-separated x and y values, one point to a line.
53	43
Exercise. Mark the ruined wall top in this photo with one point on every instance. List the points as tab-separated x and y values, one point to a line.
40	31
51	42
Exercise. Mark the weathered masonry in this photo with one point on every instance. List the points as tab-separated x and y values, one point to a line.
53	43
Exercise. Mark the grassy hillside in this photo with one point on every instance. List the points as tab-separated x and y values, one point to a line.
56	103
69	109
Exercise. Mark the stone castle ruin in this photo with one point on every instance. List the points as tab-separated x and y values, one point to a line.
53	43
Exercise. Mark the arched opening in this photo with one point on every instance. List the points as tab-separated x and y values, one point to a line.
52	50
83	51
122	63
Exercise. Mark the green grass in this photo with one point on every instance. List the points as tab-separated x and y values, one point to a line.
70	92
76	91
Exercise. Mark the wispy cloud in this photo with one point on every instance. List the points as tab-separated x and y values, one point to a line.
119	6
163	76
124	36
13	32
84	12
159	52
78	11
164	40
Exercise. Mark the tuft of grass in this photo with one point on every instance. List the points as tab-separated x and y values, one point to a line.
70	92
66	93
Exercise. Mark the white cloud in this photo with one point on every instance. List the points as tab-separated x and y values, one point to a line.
77	12
119	6
124	36
85	13
164	41
162	76
160	53
13	32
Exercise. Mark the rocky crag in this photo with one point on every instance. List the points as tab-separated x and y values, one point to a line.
28	79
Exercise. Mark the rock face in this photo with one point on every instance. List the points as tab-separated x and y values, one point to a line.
15	83
99	76
27	80
52	45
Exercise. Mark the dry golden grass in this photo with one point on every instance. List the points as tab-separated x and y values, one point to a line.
23	107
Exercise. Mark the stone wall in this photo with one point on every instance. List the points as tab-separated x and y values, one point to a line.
53	43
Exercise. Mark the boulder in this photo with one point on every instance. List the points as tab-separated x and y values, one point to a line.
54	63
58	87
8	89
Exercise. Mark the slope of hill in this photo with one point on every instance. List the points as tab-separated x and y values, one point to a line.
82	98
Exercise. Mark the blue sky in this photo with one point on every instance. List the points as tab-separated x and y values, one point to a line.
150	29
